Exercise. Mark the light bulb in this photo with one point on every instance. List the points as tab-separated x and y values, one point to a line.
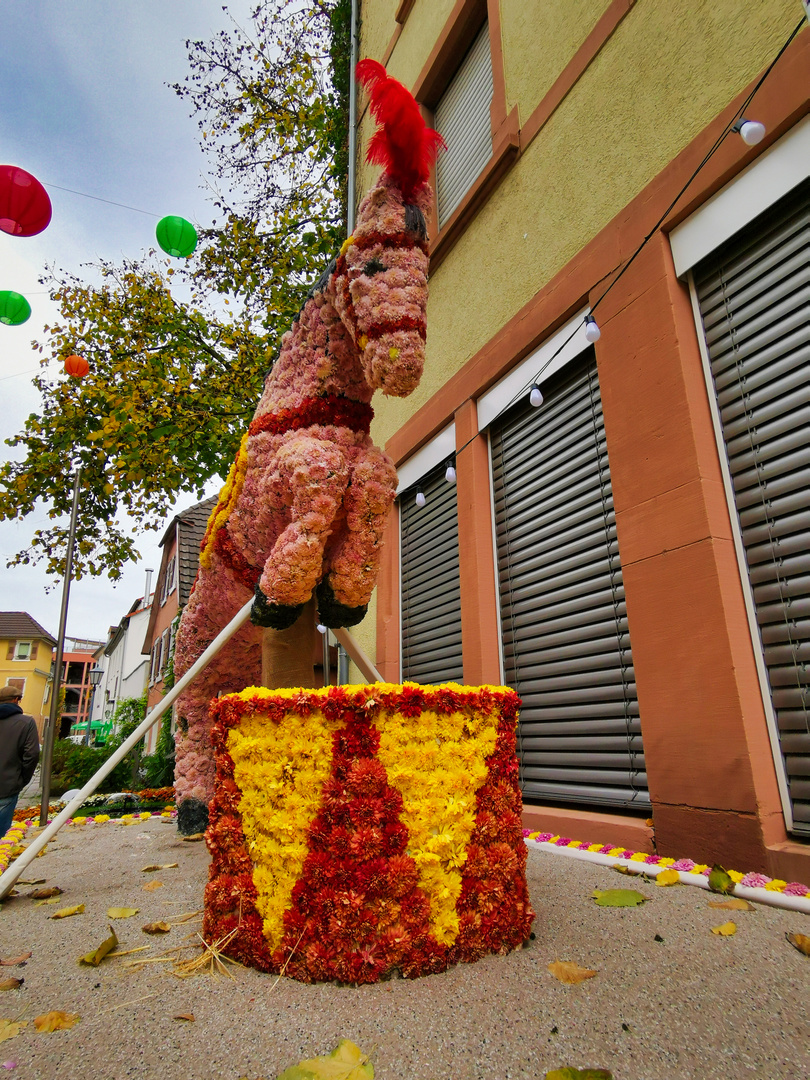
750	131
592	331
450	474
535	397
420	499
321	628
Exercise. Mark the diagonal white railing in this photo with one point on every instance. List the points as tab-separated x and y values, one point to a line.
13	872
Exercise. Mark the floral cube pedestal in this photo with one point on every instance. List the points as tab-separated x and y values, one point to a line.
359	830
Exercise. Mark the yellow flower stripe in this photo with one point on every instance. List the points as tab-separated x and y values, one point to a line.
438	764
228	498
280	770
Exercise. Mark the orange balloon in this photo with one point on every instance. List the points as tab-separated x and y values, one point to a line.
76	366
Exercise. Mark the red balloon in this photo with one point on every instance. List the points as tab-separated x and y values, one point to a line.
76	366
25	208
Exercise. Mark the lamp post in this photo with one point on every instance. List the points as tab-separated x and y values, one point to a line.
50	730
94	675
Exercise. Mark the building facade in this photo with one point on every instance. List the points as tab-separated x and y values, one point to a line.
125	667
26	653
629	548
178	570
78	658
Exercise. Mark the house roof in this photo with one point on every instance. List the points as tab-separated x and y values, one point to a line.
19	624
187	529
190	526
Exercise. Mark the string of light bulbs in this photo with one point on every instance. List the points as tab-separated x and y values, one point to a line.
751	132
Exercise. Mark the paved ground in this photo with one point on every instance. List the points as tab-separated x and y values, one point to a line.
693	1005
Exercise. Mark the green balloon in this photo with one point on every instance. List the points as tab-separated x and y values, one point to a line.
14	308
176	236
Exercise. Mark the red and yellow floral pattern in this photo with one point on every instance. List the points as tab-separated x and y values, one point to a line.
358	830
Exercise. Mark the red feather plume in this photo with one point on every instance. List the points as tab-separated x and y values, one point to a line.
403	144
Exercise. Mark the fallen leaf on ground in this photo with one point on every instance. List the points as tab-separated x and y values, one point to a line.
42	903
568	972
184	1016
17	960
65	912
159	866
346	1062
121	912
152	885
618	897
579	1074
10	1028
107	945
719	880
11	984
37	881
621	869
156	928
55	1021
668	877
734	903
726	930
800	942
195	836
43	894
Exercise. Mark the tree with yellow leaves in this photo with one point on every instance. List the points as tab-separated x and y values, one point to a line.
173	382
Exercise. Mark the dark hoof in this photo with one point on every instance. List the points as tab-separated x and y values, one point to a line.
276	616
334	614
192	817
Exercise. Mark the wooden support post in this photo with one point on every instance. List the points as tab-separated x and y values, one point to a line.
287	655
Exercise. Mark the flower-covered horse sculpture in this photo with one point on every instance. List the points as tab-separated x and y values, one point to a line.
305	505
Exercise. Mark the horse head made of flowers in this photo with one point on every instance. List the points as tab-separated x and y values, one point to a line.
307	500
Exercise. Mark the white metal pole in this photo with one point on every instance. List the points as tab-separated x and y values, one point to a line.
13	872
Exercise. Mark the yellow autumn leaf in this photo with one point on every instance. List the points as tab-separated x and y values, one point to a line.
734	903
668	877
152	885
800	942
10	1028
55	1021
346	1062
98	954
568	972
159	866
121	912
65	912
726	930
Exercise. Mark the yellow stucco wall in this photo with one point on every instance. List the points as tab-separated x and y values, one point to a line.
35	672
377	24
666	72
538	40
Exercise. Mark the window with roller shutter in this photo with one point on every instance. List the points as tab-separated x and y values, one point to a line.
431	598
754	301
566	640
462	115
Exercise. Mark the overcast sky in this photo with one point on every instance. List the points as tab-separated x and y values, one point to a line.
85	104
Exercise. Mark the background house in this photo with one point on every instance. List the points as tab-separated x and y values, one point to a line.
26	652
178	570
125	667
631	555
79	657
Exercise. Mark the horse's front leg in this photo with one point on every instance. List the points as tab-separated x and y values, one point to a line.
346	589
316	474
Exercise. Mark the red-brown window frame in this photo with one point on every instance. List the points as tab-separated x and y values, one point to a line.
459	32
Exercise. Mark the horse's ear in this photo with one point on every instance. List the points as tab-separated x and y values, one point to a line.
403	144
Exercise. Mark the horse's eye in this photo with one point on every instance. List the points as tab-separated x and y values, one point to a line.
372	267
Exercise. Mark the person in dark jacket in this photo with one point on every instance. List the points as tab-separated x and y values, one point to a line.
19	752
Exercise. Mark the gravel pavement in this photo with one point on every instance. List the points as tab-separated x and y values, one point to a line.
670	1000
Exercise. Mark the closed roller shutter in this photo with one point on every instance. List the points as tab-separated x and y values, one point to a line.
565	636
754	297
462	116
431	598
